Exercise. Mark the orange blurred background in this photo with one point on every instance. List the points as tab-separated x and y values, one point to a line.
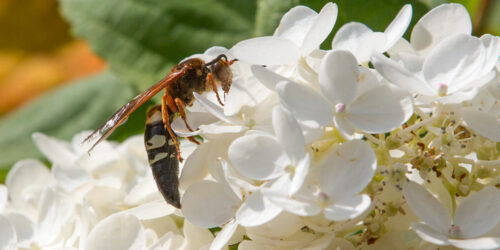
37	52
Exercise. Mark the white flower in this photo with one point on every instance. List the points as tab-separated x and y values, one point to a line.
362	42
343	175
473	218
261	156
355	98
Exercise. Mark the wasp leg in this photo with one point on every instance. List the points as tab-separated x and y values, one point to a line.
210	80
166	120
193	140
180	107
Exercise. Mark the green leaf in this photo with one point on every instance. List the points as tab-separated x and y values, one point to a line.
142	39
82	105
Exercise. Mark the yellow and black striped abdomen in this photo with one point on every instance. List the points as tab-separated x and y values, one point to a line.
162	156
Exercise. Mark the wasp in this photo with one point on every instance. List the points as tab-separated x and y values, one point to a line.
191	75
162	145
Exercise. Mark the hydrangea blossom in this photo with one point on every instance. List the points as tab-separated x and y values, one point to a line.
377	143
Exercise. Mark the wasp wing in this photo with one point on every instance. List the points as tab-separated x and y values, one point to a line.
121	115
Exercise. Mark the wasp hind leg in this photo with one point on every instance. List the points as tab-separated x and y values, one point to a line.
167	103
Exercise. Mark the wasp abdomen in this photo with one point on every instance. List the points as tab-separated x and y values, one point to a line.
162	155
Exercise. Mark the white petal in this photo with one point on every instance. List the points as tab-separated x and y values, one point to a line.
428	234
478	213
8	237
195	167
117	231
288	133
266	51
267	77
403	78
168	241
214	109
453	62
55	150
349	36
320	29
26	180
244	94
69	178
278	194
427	207
305	103
380	110
478	243
258	157
347	169
25	228
152	210
50	218
208	204
440	23
195	120
347	208
300	174
224	235
483	123
3	196
398	26
492	51
344	126
284	225
256	210
195	235
338	77
295	24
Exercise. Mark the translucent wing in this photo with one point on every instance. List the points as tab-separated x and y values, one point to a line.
121	115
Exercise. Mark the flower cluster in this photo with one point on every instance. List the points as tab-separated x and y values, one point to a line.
377	143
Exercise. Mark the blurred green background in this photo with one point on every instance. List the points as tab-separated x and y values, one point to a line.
66	65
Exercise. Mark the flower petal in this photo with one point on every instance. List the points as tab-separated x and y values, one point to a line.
484	123
55	150
338	77
25	228
299	175
403	78
3	196
152	210
478	213
258	157
478	243
224	235
347	169
267	77
26	180
195	120
266	50
288	133
70	178
453	62
440	23
256	210
215	109
295	24
117	231
305	103
427	207
196	236
347	208
8	237
428	234
398	26
320	29
207	204
380	110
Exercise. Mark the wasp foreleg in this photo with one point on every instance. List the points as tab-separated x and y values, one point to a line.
211	82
